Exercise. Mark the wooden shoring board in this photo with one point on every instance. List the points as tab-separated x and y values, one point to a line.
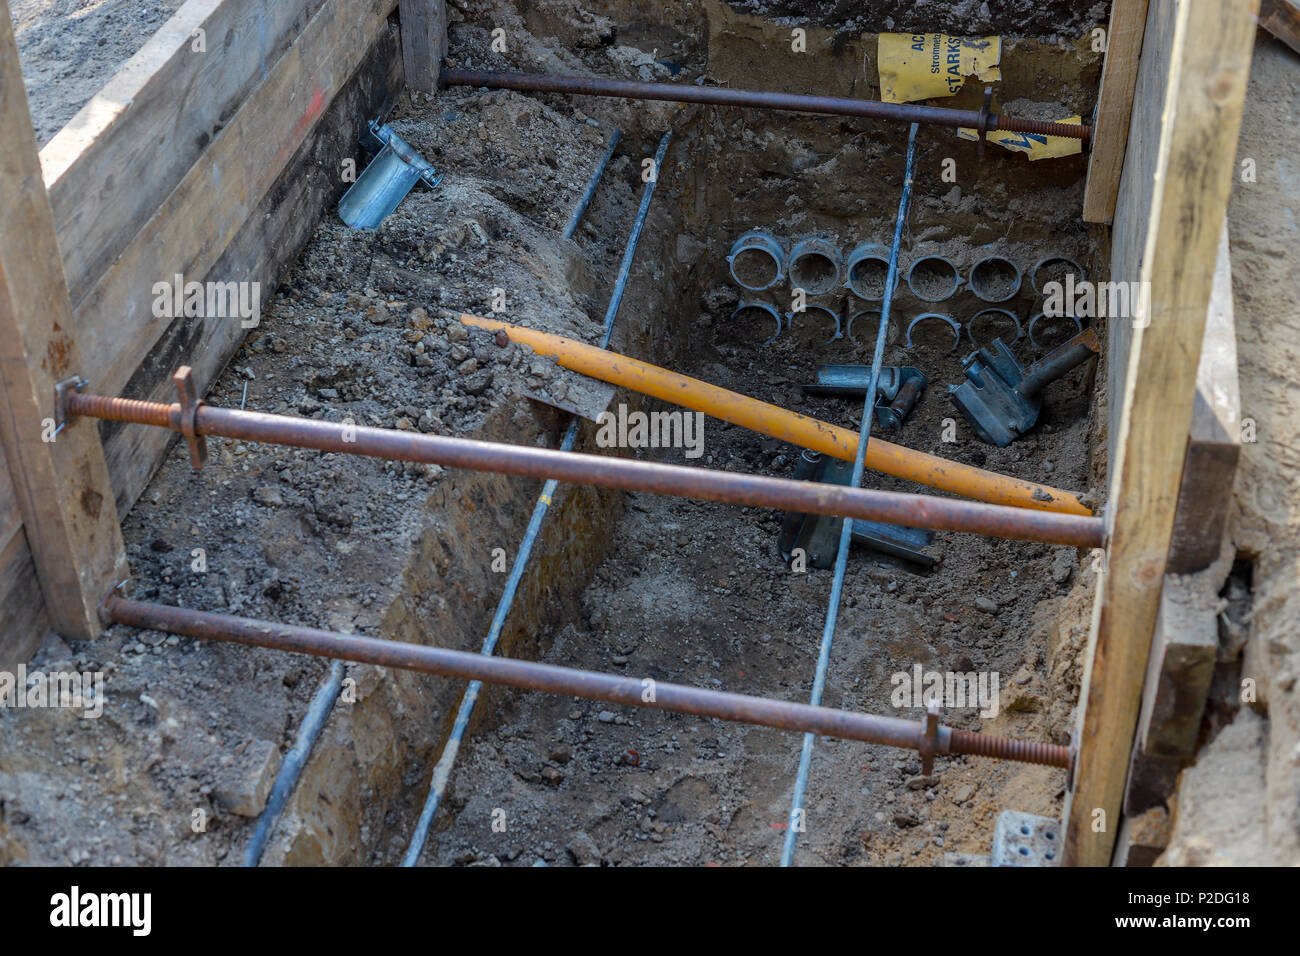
1209	53
61	486
1214	442
424	42
1114	108
22	606
190	230
1282	19
114	162
268	243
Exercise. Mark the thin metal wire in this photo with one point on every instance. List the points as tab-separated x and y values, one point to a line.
797	815
287	779
592	183
442	770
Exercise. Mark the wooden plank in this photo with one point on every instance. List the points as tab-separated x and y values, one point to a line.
11	519
1184	649
22	606
119	157
1282	19
1214	444
1142	839
62	485
268	243
1114	107
1199	122
1136	194
424	42
194	225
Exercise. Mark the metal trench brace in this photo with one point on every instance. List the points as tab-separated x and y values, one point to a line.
384	183
817	536
899	389
1001	400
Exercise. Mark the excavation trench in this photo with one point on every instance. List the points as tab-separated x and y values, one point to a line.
684	591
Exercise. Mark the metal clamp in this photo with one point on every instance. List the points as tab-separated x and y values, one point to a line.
62	416
1006	313
928	745
187	408
956	329
1078	326
767	309
985	116
810	308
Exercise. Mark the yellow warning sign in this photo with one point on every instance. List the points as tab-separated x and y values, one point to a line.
1034	145
920	66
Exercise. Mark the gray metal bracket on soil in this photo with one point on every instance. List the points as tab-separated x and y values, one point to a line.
384	183
897	391
1000	399
814	536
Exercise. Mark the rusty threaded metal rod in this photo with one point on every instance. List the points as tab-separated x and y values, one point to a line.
725	96
782	494
591	685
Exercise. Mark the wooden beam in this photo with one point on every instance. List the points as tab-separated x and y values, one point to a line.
1209	63
1214	443
62	485
1114	106
1282	19
191	229
269	242
125	150
22	605
424	42
1184	650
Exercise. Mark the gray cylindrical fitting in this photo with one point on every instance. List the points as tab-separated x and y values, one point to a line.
757	261
994	279
867	271
871	317
932	286
1006	314
956	329
1078	326
756	313
1038	281
814	311
816	266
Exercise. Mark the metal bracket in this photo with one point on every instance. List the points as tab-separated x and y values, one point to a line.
1026	839
105	615
62	416
189	403
396	168
985	116
929	745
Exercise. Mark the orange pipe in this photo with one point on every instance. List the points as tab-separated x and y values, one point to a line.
778	422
